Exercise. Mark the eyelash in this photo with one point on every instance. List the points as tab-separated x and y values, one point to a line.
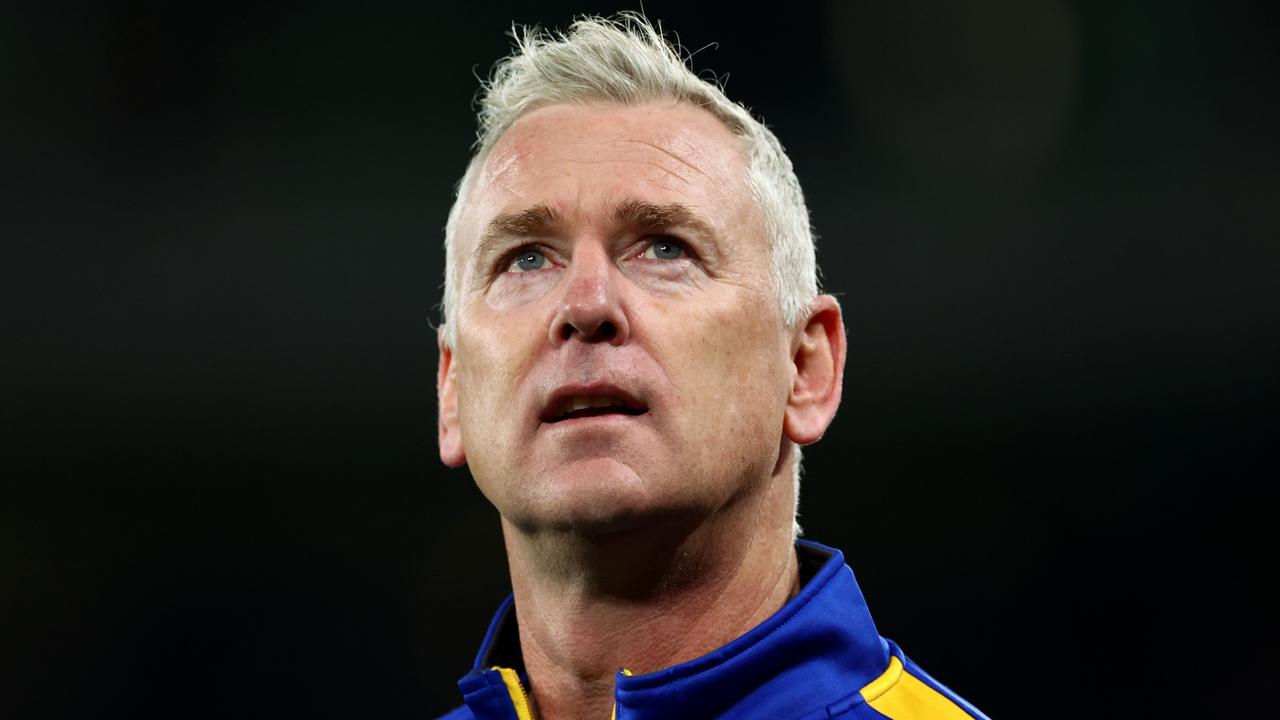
505	263
686	252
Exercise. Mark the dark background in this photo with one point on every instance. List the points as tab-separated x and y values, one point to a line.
1053	228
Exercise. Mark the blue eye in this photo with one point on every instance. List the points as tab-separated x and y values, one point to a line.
663	250
527	260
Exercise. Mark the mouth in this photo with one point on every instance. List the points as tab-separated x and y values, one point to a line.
600	402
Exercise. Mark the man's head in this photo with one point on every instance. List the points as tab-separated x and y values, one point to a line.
625	236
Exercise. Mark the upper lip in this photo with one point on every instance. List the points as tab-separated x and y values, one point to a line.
562	399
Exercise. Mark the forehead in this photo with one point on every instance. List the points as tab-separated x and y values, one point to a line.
579	159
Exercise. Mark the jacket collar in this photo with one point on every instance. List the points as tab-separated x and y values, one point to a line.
819	648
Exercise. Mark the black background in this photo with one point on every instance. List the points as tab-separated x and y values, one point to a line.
1053	228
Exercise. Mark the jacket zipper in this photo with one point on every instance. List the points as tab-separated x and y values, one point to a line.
516	690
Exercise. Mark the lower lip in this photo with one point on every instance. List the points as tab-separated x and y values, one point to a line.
606	419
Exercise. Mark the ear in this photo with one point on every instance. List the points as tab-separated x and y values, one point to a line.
817	351
448	428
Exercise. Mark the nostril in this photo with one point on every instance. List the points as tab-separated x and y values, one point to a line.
604	331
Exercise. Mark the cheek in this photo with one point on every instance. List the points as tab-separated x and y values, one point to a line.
489	371
729	362
487	412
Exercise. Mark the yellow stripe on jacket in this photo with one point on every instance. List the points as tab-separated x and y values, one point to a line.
900	695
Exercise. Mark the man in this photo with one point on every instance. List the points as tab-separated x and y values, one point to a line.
634	349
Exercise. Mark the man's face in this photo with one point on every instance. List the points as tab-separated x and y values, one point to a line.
619	354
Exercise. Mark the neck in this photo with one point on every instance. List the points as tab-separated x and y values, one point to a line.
646	599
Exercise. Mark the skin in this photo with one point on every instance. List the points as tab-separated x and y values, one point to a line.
636	541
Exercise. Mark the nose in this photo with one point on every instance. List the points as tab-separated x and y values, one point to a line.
591	308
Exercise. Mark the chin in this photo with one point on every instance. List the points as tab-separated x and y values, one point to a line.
591	496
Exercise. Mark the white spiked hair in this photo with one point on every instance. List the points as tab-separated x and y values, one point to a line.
625	60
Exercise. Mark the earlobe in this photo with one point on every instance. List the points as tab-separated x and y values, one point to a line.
449	430
818	354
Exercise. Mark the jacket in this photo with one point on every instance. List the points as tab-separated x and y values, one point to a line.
818	658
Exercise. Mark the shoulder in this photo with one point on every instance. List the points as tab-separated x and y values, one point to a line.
906	692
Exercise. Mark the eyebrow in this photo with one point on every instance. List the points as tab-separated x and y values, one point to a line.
542	220
532	222
537	220
649	216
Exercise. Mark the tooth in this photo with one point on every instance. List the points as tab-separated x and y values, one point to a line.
579	402
599	401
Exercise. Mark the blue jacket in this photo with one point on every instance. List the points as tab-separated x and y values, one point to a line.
817	658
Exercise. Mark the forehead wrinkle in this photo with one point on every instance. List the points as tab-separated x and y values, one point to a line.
664	169
691	148
673	156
